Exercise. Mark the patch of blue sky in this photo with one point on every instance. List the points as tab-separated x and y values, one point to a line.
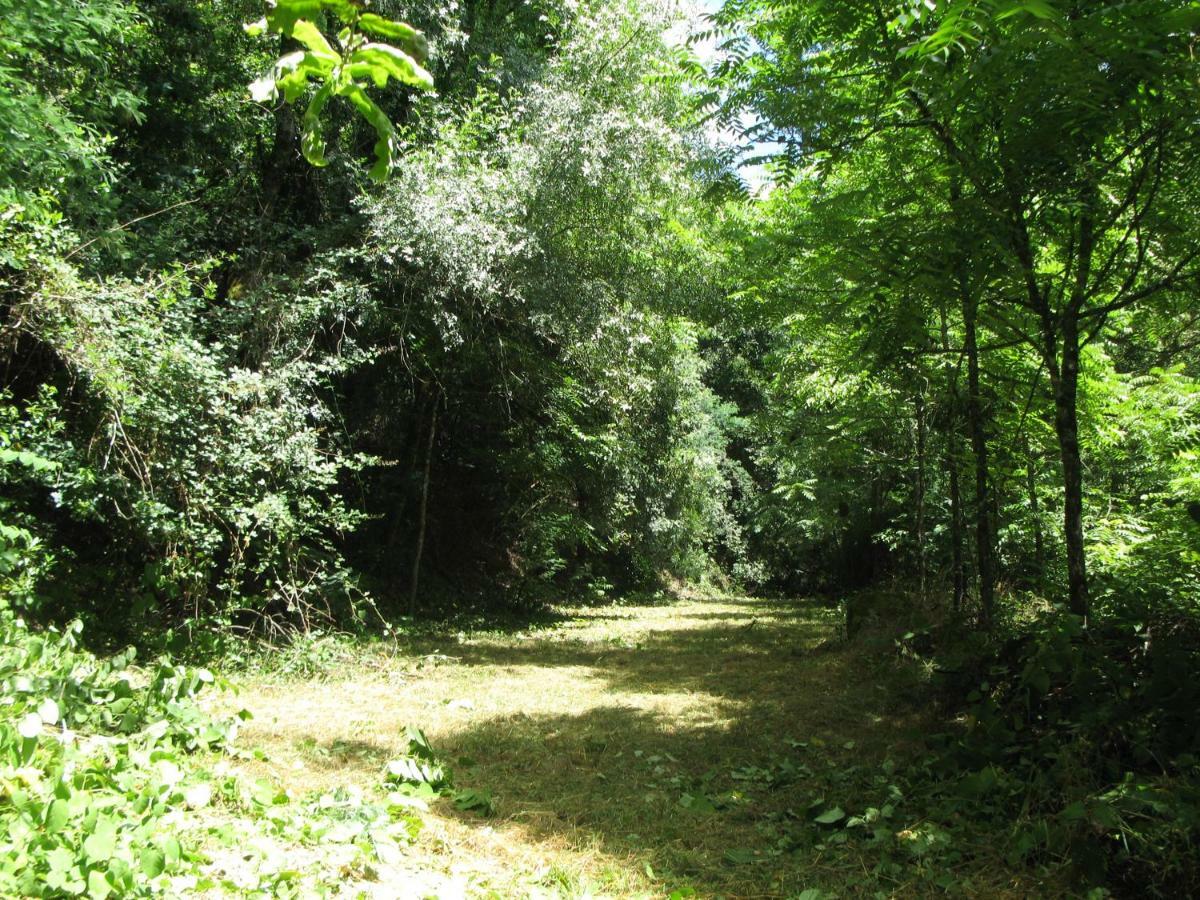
749	152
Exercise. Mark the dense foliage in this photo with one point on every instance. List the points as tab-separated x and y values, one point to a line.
550	345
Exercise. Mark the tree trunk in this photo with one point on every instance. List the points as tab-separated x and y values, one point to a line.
285	149
416	571
1065	381
958	562
920	491
983	523
1039	542
957	527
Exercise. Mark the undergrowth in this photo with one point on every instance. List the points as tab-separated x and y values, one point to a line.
113	783
1072	745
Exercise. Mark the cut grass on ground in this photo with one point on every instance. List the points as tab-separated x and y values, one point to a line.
630	751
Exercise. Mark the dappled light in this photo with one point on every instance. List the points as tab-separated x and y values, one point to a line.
615	449
595	736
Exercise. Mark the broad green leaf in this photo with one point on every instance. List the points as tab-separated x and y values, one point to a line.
311	37
60	859
48	710
346	10
312	145
379	121
283	14
293	71
58	813
830	817
102	842
30	726
97	885
385	60
409	39
152	861
697	803
28	460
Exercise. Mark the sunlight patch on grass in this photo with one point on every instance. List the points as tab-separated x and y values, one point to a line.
607	742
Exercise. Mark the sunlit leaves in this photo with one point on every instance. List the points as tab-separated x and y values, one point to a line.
344	72
378	61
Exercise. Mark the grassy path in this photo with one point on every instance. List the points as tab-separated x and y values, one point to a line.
631	751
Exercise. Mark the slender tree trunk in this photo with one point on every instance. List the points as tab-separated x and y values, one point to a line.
396	533
957	527
969	302
416	571
1065	382
1039	541
958	561
983	522
920	491
285	149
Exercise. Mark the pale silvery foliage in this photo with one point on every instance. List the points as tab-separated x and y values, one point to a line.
546	200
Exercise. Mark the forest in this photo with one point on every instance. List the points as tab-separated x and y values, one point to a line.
600	448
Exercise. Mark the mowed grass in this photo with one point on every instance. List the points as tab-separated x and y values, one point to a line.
595	735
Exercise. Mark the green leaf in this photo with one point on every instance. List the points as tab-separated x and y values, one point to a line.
30	726
48	710
293	71
830	817
97	885
311	37
153	862
28	460
477	801
60	859
102	842
58	813
283	14
697	803
382	125
312	144
410	40
378	61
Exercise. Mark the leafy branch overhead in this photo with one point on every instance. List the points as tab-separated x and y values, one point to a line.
370	50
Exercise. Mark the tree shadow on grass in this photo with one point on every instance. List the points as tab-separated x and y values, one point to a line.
626	781
738	663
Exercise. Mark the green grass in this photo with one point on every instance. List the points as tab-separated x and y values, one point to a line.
636	751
